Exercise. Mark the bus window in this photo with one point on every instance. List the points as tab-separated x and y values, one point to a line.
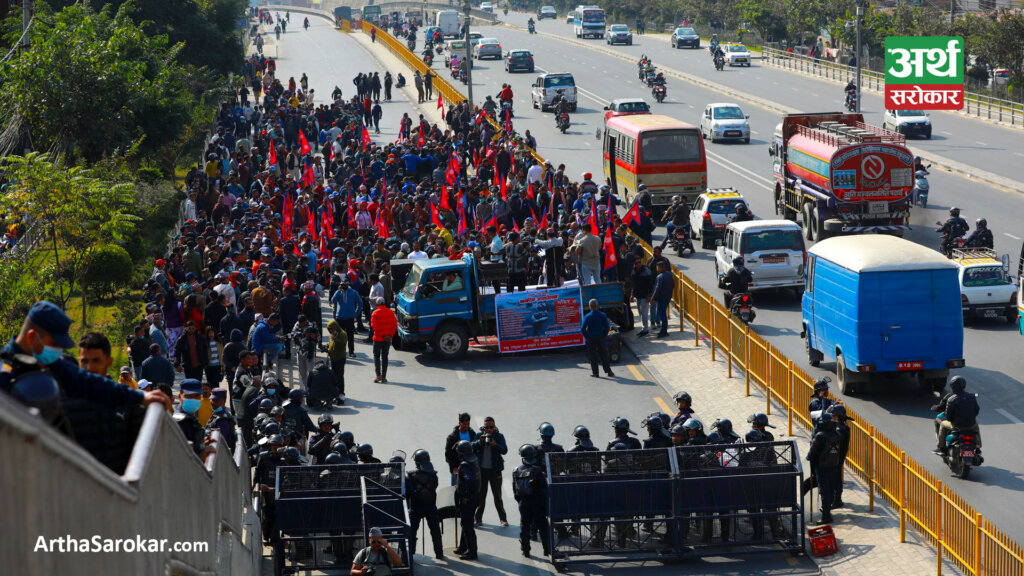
670	146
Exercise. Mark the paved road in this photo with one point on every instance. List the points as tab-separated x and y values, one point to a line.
419	405
981	144
990	348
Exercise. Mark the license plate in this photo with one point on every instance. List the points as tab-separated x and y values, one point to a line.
719	225
991	313
741	59
773	259
878	207
732	132
967	453
909	365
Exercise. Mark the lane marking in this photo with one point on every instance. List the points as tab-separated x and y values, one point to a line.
663	405
946	133
1012	236
636	373
980	143
1019	154
1008	416
461	374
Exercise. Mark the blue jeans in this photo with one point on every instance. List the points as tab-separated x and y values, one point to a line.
661	313
270	354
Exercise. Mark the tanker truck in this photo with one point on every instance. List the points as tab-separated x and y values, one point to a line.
841	175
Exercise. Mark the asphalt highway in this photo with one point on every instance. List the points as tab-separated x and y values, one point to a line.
991	348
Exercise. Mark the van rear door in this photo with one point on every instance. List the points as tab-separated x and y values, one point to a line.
907	306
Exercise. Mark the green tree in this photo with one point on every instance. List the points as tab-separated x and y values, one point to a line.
767	17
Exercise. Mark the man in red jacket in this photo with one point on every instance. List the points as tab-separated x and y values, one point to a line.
384	324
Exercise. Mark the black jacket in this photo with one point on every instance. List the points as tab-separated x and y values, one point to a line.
450	455
497	461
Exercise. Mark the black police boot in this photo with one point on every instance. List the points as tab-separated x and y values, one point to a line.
826	517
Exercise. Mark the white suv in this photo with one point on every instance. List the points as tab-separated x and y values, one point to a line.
773	251
547	86
711	212
986	288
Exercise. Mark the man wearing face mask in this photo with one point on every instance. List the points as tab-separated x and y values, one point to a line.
221	419
185	415
44	334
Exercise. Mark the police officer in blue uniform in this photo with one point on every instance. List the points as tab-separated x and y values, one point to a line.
685	409
826	459
421	484
221	419
467	496
838	412
622	432
820	402
529	486
185	415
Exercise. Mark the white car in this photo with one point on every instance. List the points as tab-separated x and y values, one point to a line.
908	122
547	85
486	7
736	55
712	212
570	18
986	288
474	37
773	251
725	121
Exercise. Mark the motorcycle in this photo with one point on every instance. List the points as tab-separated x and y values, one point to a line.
962	452
851	101
428	58
949	244
742	307
507	102
505	11
921	188
562	121
659	93
649	77
531	28
719	63
680	240
411	44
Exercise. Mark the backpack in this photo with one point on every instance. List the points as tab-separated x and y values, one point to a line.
832	455
522	477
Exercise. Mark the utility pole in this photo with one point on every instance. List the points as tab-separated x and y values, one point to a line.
26	16
860	16
469	57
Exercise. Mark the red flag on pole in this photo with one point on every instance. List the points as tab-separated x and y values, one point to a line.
303	143
440	105
610	259
366	138
311	224
632	215
272	156
543	220
593	220
491	222
515	225
382	225
445	203
420	140
504	196
529	190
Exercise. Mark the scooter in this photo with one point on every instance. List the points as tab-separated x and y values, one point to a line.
428	58
719	63
680	240
851	101
742	307
411	44
921	188
531	28
562	122
949	244
962	452
505	11
659	93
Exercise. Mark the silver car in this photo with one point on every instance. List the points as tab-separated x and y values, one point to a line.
547	86
725	121
487	48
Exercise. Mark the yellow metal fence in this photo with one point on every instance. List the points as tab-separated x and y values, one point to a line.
942	517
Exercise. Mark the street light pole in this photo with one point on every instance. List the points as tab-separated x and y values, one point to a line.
469	57
860	15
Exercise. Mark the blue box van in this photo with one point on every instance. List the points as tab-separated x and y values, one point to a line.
881	304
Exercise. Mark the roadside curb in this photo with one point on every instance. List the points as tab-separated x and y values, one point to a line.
947	164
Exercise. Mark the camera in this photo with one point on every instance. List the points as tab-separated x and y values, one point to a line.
370	571
485	438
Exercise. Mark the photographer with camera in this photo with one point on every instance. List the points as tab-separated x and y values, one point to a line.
377	559
490	447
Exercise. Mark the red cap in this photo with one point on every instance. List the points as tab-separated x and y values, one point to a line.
160	262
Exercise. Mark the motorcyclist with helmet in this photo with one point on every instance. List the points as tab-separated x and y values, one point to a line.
742	214
560	104
851	93
953	228
981	237
737	280
957	411
718	55
489	106
505	95
588	186
677	215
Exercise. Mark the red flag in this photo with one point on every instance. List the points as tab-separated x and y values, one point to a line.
610	259
476	158
351	211
480	117
311	223
332	152
632	215
543	220
323	245
515	225
382	225
286	218
303	143
366	138
529	190
445	203
419	140
593	220
491	222
308	178
504	196
462	229
434	218
533	214
451	175
272	156
439	104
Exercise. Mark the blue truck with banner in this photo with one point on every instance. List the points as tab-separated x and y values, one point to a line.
447	302
882	306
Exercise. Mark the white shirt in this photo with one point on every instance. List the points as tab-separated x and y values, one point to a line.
190	209
535	174
417	255
227	291
376	291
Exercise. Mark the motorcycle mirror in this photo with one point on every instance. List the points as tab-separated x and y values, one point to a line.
605	108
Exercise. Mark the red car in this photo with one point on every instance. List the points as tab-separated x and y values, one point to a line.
626	107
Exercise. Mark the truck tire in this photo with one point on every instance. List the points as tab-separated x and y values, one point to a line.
806	214
845	385
780	206
451	341
813	356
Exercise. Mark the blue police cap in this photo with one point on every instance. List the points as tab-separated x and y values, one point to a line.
191	386
50	318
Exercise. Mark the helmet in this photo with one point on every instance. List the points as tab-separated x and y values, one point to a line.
821	384
753	436
605	188
347	437
619	446
296	395
546	430
270	428
737	261
826	420
665	420
276	439
581	432
587	175
528	453
641	188
694	424
724	426
684	397
339	446
676	198
957	384
954	211
759	419
679	429
741	208
652	422
620	423
364	450
266	404
291	455
420	456
333	458
465	451
838	411
38	389
277	411
982	223
325	419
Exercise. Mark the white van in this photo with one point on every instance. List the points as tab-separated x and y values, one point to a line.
449	23
773	251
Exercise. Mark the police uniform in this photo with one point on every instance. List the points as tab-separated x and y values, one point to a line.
529	486
826	460
222	420
819	405
630	442
657	440
189	423
266	473
680	418
421	485
467	494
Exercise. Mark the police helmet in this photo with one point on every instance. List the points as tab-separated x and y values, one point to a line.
838	411
364	450
325	419
652	422
339	446
581	432
266	404
619	446
826	421
420	456
676	198
954	211
397	457
741	208
465	451
759	419
546	430
620	423
684	397
605	188
528	453
694	424
724	427
333	458
666	420
276	439
753	436
296	394
821	384
271	427
982	223
277	411
347	437
679	429
641	188
291	455
957	384
38	389
737	261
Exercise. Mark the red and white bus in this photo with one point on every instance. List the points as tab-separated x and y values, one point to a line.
664	153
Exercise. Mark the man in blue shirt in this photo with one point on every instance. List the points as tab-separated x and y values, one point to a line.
595	330
347	306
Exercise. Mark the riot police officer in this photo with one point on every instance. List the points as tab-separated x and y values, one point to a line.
826	458
467	495
723	433
344	455
291	456
758	424
529	486
820	402
679	435
546	446
264	479
656	435
365	454
621	427
320	443
221	419
349	439
185	416
583	442
838	412
758	456
421	484
685	406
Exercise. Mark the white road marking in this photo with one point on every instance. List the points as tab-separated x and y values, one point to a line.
946	133
588	142
461	374
691	106
754	132
980	143
1018	154
1008	416
815	94
1012	236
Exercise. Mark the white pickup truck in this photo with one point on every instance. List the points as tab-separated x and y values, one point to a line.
986	288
